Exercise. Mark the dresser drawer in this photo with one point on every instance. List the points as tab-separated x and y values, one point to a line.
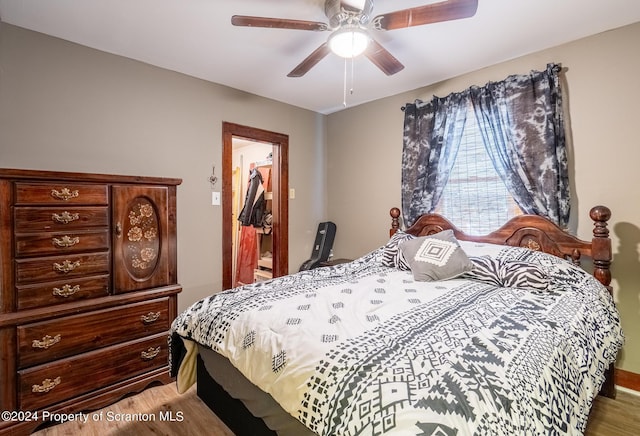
67	242
61	193
53	219
49	340
65	291
60	267
61	380
30	244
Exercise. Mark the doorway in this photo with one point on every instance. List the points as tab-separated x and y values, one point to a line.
279	201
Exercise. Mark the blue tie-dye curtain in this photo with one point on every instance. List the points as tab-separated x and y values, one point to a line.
432	133
522	126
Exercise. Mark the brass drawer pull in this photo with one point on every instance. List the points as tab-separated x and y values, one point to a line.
66	291
46	342
150	317
47	385
65	217
150	353
66	266
66	241
64	194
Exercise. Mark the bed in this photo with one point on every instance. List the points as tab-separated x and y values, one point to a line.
437	332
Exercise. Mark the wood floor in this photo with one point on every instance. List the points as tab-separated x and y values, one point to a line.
191	417
619	417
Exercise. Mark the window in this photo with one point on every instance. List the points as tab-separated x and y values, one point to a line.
475	198
534	158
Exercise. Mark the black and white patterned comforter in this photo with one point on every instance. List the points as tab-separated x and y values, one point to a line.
363	349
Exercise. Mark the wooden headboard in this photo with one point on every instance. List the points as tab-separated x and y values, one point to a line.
534	232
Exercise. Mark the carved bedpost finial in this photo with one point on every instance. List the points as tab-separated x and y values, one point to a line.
600	215
395	222
575	256
601	245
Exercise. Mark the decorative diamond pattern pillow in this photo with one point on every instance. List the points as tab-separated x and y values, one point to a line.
435	257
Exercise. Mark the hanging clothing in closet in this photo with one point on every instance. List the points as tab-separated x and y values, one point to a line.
250	218
254	203
247	256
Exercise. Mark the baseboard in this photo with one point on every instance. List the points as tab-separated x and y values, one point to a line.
628	379
620	389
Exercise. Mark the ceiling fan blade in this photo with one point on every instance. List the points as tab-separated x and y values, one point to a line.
382	59
427	14
315	57
277	23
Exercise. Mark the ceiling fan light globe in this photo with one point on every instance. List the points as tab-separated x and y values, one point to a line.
348	42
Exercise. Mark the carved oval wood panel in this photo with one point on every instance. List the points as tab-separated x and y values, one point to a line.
142	241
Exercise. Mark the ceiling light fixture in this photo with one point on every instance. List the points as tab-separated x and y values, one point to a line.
349	41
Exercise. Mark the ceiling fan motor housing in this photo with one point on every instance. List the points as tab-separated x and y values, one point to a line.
341	12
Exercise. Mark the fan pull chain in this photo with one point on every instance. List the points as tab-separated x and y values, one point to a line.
352	76
344	86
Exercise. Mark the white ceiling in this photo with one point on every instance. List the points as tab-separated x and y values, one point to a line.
195	37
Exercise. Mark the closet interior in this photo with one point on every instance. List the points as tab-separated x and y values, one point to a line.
252	205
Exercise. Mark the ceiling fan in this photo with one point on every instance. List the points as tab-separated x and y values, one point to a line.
349	22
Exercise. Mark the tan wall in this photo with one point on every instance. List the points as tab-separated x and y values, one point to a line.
364	146
70	108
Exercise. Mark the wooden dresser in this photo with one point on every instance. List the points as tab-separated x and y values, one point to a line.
88	289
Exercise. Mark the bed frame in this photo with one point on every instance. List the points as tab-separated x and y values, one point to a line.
540	234
230	410
531	231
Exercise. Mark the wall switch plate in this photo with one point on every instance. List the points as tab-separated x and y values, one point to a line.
215	199
292	193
